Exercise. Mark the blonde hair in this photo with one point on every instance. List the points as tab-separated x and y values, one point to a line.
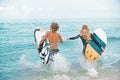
54	26
86	36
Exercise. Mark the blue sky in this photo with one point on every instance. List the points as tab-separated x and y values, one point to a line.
26	9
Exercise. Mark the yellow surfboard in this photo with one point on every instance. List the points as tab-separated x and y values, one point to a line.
93	49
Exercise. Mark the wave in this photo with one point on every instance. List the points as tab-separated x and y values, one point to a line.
60	63
3	29
34	66
114	38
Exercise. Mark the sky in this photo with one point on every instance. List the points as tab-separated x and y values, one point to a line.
27	9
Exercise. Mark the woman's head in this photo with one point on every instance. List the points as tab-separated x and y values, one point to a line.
85	27
54	26
85	32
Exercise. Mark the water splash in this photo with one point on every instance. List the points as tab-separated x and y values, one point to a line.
35	66
90	67
59	63
61	77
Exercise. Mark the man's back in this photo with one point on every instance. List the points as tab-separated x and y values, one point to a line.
54	38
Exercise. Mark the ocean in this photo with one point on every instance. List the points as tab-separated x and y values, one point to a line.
19	59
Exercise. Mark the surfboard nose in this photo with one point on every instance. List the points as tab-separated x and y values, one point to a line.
42	30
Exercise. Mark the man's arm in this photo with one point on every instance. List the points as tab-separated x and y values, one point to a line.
60	39
43	39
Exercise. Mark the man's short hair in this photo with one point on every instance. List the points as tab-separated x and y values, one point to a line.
54	26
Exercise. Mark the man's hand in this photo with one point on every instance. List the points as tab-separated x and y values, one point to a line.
102	49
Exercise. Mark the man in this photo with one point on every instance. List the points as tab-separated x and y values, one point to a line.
53	37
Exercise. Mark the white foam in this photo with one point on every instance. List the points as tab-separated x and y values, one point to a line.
59	63
89	66
35	66
61	77
82	78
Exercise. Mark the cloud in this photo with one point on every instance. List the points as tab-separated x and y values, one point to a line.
99	8
24	7
20	12
59	8
31	8
7	8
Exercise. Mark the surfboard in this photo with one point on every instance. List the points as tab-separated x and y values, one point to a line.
93	49
44	48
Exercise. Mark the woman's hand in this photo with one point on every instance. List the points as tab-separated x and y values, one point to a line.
68	38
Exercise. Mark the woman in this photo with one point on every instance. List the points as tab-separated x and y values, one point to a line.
84	35
53	37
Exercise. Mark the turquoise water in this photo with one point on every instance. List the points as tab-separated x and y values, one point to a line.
19	59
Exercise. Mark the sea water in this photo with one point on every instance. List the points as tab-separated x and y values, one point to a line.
19	59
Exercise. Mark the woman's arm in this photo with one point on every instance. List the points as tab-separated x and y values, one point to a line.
73	38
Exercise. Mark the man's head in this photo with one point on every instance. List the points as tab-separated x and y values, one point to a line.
54	26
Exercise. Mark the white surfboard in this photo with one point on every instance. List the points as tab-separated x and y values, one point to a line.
101	34
44	50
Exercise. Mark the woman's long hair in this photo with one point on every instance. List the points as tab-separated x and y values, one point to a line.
86	35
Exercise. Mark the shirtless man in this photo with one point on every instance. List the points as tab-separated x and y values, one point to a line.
53	37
